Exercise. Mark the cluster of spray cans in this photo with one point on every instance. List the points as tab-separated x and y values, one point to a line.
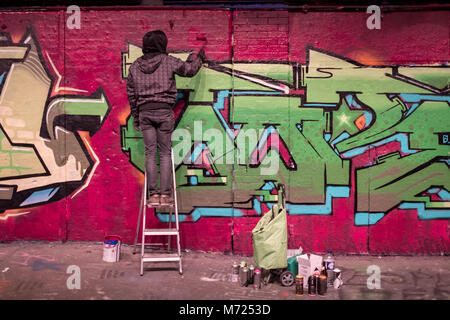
246	275
316	284
319	281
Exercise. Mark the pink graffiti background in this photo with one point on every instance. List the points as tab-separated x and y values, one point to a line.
90	58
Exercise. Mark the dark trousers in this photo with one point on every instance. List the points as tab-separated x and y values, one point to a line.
157	127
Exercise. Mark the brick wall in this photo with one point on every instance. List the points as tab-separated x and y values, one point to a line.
358	111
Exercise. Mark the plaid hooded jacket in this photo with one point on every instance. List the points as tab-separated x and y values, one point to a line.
151	77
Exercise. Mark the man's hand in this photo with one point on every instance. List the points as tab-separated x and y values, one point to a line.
136	125
201	54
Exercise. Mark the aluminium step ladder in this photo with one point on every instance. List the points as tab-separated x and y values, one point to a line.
169	232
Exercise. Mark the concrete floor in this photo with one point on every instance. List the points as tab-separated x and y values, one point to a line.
40	270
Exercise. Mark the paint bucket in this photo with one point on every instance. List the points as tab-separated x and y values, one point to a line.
111	248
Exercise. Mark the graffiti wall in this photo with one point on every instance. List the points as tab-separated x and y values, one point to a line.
351	121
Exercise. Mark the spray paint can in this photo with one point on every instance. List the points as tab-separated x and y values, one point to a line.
322	285
235	272
241	269
257	279
316	276
244	277
311	287
330	263
251	272
299	285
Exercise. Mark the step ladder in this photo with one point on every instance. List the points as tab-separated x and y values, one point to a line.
169	232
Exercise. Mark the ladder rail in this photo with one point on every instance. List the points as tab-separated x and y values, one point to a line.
150	232
175	199
142	205
144	214
174	183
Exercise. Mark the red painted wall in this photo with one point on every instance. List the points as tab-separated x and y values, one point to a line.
91	58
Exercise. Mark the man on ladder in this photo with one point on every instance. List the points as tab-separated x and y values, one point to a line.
152	92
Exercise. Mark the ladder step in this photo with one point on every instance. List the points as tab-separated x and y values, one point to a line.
160	205
161	232
160	257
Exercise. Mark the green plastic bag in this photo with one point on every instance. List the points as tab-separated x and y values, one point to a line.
270	239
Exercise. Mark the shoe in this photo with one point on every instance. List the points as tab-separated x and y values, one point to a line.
166	200
154	200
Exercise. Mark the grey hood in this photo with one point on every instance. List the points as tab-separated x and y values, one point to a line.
149	65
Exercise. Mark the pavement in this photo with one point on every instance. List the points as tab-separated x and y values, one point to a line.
76	271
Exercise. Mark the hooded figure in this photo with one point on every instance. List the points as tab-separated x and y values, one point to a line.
151	90
151	78
154	42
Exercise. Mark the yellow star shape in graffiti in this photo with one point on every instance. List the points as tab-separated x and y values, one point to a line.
343	119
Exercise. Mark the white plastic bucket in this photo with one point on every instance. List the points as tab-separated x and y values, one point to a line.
111	248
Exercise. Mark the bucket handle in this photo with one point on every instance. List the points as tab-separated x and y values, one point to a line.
113	236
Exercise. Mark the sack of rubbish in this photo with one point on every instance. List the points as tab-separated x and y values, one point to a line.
270	238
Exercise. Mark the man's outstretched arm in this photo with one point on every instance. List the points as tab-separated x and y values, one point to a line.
190	67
